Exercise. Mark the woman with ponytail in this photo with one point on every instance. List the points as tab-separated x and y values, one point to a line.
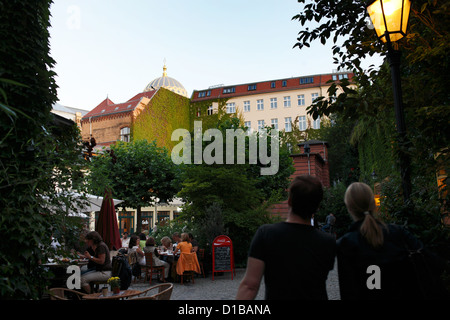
372	257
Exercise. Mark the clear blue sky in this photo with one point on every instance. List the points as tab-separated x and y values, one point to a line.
116	47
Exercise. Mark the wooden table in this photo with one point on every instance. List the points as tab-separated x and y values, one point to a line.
59	270
121	295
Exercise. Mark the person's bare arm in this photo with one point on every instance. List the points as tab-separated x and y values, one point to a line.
248	289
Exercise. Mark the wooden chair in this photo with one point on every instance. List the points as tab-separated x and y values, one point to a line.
201	258
187	264
164	292
150	269
65	294
132	260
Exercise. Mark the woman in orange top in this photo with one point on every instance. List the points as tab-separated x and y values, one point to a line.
184	245
188	261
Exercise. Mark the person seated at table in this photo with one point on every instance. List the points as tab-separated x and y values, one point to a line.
176	239
134	246
193	242
143	239
186	262
184	245
125	240
150	247
100	260
166	243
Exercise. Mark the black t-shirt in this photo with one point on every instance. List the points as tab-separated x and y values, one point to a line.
297	260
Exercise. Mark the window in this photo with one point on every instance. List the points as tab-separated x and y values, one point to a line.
340	76
260	125
248	124
306	80
125	134
302	123
229	90
273	103
210	110
287	124
251	87
287	102
274	123
272	84
202	94
284	83
301	100
231	107
260	104
314	96
316	124
246	106
199	113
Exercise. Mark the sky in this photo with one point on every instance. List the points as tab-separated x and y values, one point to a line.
114	48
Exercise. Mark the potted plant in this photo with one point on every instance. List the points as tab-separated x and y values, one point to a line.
114	283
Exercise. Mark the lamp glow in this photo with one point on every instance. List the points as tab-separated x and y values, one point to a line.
390	18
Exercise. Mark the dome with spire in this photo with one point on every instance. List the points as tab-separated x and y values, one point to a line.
167	83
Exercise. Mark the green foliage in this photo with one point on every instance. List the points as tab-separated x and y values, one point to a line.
425	77
333	202
166	112
36	157
137	172
169	227
236	192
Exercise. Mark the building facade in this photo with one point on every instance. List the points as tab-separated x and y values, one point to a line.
152	115
279	104
313	160
164	99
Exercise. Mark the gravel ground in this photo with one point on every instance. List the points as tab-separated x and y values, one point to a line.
224	288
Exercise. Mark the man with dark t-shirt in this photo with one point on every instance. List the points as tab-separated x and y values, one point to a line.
293	256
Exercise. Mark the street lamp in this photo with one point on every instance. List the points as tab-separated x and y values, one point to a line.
390	19
307	150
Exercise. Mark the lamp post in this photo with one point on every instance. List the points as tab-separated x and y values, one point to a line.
390	19
307	150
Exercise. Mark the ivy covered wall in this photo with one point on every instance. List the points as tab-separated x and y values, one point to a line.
166	112
199	112
376	148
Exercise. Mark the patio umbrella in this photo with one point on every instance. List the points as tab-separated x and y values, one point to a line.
107	225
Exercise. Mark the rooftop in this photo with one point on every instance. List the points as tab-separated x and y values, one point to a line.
107	107
268	86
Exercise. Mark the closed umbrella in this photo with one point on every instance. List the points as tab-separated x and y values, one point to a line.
107	225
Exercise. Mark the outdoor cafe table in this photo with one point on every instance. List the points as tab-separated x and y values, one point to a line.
59	269
121	295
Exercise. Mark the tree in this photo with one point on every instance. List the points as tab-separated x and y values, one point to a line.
425	77
238	191
37	156
425	62
139	172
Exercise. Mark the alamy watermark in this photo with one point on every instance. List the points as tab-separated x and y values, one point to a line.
213	153
74	280
374	280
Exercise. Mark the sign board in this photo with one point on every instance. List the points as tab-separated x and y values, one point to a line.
223	257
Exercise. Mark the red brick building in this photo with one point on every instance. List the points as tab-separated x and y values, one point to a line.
313	161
